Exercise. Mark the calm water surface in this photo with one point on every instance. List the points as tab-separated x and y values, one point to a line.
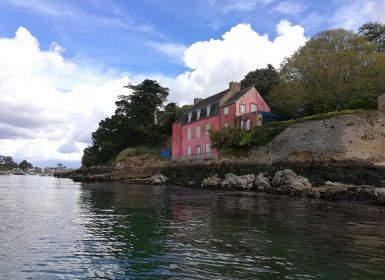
56	229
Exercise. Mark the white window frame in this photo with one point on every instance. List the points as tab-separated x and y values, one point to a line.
248	124
226	125
208	110
196	149
242	124
208	127
189	150
198	114
188	133
197	131
208	148
242	108
226	110
189	117
252	107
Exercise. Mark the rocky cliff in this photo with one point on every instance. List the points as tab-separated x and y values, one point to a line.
347	138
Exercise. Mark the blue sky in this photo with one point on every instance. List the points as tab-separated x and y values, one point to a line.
64	62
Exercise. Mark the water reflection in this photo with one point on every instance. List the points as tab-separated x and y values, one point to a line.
54	228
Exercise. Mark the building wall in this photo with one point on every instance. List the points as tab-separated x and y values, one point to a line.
252	97
229	118
180	146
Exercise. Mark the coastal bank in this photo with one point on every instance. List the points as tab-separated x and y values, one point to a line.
336	158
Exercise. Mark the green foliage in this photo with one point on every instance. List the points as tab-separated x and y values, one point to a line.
262	79
230	140
7	163
335	70
137	151
25	165
374	32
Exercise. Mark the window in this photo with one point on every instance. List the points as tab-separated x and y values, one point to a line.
207	128
226	110
197	149
198	132
198	113
208	148
253	108
241	124
189	117
189	150
208	111
248	124
242	108
189	133
226	125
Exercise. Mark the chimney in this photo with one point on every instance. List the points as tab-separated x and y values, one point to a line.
196	100
234	87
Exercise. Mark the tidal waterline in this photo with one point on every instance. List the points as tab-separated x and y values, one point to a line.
54	228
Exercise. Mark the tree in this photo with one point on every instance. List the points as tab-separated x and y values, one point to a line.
262	79
25	165
335	70
144	102
7	163
133	123
374	32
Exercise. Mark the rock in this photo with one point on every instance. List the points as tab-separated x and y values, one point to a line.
379	193
158	179
339	191
287	182
191	184
211	182
244	182
261	183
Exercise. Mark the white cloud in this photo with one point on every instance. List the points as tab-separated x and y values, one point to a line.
173	50
49	105
214	63
355	13
290	7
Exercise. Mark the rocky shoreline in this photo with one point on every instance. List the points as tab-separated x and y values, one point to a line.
347	182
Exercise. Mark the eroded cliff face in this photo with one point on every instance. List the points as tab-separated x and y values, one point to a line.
346	138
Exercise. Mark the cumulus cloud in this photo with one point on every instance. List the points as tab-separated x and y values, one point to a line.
49	105
290	7
216	62
355	13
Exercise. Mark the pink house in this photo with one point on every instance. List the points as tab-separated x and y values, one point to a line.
232	107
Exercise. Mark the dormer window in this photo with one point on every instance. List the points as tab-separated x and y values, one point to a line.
198	113
189	117
208	111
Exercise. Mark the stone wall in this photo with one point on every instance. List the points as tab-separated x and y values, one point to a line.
345	138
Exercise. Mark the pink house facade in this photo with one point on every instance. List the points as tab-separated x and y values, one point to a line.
232	107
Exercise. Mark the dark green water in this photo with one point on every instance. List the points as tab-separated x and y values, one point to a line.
56	229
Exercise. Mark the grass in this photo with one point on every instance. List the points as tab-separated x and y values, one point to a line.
139	150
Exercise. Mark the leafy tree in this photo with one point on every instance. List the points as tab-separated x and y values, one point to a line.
7	163
140	119
335	70
144	102
262	79
374	32
25	165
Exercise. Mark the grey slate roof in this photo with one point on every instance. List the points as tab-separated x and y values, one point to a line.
213	101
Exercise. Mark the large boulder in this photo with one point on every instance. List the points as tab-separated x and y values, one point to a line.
287	182
211	182
261	183
158	179
380	195
244	182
